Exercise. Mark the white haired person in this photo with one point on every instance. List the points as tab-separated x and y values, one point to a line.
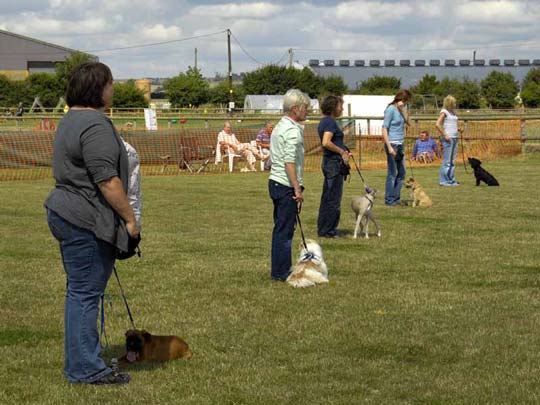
227	139
447	125
285	183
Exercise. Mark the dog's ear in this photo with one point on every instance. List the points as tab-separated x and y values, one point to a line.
147	336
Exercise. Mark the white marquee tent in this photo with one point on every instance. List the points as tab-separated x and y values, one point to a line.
270	104
367	106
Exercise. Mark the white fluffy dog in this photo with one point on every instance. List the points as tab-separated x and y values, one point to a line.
310	269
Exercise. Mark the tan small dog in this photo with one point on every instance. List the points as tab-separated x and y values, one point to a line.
310	269
142	346
419	196
362	207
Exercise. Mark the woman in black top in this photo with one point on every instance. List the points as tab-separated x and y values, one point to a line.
335	153
84	212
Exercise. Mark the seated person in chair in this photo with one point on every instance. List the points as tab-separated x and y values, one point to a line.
425	149
263	142
229	144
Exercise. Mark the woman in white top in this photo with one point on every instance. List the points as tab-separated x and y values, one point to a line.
447	125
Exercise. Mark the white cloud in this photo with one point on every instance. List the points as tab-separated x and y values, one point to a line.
369	13
33	24
492	12
371	29
233	10
159	32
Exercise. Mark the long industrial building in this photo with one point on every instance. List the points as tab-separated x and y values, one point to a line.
411	72
21	55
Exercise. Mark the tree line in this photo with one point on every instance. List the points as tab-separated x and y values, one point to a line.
187	89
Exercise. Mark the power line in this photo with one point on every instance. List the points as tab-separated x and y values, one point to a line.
246	52
155	43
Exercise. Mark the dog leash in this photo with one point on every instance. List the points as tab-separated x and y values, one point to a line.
463	152
300	225
124	298
103	333
358	170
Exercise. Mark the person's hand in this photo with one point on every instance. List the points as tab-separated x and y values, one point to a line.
447	138
133	229
298	197
460	130
391	150
346	155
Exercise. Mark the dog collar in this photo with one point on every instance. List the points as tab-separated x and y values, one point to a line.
310	256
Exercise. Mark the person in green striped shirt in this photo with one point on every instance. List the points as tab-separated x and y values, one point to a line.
285	183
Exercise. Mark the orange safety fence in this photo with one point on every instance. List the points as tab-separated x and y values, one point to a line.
26	155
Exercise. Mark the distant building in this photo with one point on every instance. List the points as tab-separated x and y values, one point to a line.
20	55
411	72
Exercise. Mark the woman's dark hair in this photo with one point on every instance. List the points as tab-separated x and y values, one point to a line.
86	83
402	95
330	103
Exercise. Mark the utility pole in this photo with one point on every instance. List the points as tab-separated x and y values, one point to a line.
473	57
195	58
290	57
231	105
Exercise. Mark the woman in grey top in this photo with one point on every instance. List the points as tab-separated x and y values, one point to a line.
89	214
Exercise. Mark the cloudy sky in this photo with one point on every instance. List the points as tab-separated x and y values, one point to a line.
265	30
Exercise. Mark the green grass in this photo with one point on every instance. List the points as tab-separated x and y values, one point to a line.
444	308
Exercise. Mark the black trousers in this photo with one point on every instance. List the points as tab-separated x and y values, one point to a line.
330	208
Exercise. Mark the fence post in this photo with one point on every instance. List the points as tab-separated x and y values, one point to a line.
523	136
368	126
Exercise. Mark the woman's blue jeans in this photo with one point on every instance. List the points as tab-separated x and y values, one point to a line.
88	263
395	175
285	208
448	165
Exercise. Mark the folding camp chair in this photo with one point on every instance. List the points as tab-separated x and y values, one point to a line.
193	156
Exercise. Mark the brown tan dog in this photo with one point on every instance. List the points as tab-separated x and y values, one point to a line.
142	346
419	196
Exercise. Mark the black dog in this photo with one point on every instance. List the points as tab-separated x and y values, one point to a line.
481	174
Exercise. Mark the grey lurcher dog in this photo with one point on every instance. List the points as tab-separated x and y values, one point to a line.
363	208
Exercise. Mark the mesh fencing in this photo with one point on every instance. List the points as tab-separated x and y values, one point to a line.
27	154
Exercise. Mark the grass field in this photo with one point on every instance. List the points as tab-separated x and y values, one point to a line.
444	308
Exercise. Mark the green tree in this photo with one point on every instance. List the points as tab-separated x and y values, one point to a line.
530	88
468	94
500	89
187	89
126	95
219	94
380	85
275	79
43	85
64	68
6	90
447	86
333	85
424	92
